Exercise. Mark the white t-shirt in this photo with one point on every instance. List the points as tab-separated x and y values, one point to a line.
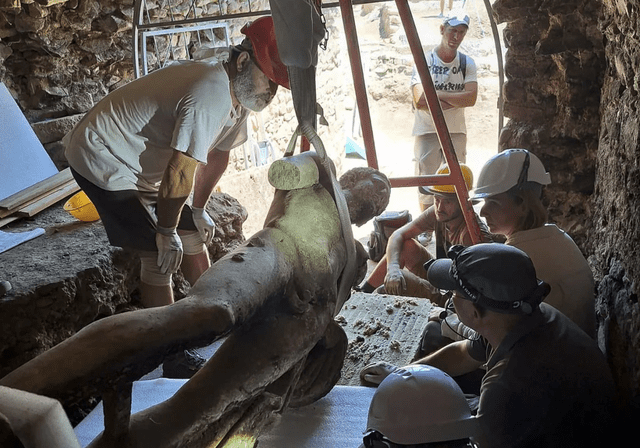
125	141
559	262
446	76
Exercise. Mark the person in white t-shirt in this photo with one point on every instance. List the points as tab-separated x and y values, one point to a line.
455	80
145	148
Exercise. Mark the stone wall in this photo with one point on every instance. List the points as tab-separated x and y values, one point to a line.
553	67
614	238
571	97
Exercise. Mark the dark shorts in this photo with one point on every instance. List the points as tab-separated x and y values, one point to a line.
129	216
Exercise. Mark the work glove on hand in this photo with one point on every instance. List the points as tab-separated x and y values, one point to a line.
376	372
205	225
169	250
394	281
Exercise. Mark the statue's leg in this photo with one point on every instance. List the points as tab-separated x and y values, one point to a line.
322	367
128	345
243	367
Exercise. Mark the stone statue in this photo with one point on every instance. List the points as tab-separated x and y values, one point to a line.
275	298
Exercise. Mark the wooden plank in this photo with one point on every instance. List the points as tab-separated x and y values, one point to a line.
10	219
9	212
49	199
16	200
4	213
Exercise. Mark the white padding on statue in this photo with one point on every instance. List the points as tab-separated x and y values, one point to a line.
337	420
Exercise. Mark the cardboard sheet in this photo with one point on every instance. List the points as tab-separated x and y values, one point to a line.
9	240
23	159
337	420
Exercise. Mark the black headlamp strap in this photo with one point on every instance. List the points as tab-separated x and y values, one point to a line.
519	306
374	439
524	174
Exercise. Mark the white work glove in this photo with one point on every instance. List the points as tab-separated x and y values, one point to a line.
394	281
205	225
376	372
169	250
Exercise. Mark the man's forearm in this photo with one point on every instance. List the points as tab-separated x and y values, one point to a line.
175	188
464	98
208	176
394	249
448	99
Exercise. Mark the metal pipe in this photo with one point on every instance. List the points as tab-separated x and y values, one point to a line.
496	38
358	81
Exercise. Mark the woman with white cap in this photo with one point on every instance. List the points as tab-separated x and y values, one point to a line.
510	184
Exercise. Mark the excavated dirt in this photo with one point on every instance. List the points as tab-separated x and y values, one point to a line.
381	328
71	276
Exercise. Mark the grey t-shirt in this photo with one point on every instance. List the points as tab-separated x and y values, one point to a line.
547	384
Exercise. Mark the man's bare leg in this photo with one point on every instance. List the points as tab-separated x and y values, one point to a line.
193	266
152	295
155	287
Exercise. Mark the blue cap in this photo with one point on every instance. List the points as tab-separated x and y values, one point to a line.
457	19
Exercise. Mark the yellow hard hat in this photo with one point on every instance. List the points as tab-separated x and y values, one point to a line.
449	189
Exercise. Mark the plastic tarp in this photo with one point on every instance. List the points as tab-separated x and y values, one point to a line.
337	420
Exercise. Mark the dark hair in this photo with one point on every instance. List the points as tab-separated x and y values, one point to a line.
245	45
379	199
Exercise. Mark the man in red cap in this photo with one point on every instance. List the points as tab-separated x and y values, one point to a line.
145	148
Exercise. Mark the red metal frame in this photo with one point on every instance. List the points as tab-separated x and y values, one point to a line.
455	177
358	81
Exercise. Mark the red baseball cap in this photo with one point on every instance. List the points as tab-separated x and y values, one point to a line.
265	49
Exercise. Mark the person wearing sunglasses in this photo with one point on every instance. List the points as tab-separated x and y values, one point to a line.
547	384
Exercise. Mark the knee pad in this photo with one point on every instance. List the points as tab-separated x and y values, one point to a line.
150	272
192	244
